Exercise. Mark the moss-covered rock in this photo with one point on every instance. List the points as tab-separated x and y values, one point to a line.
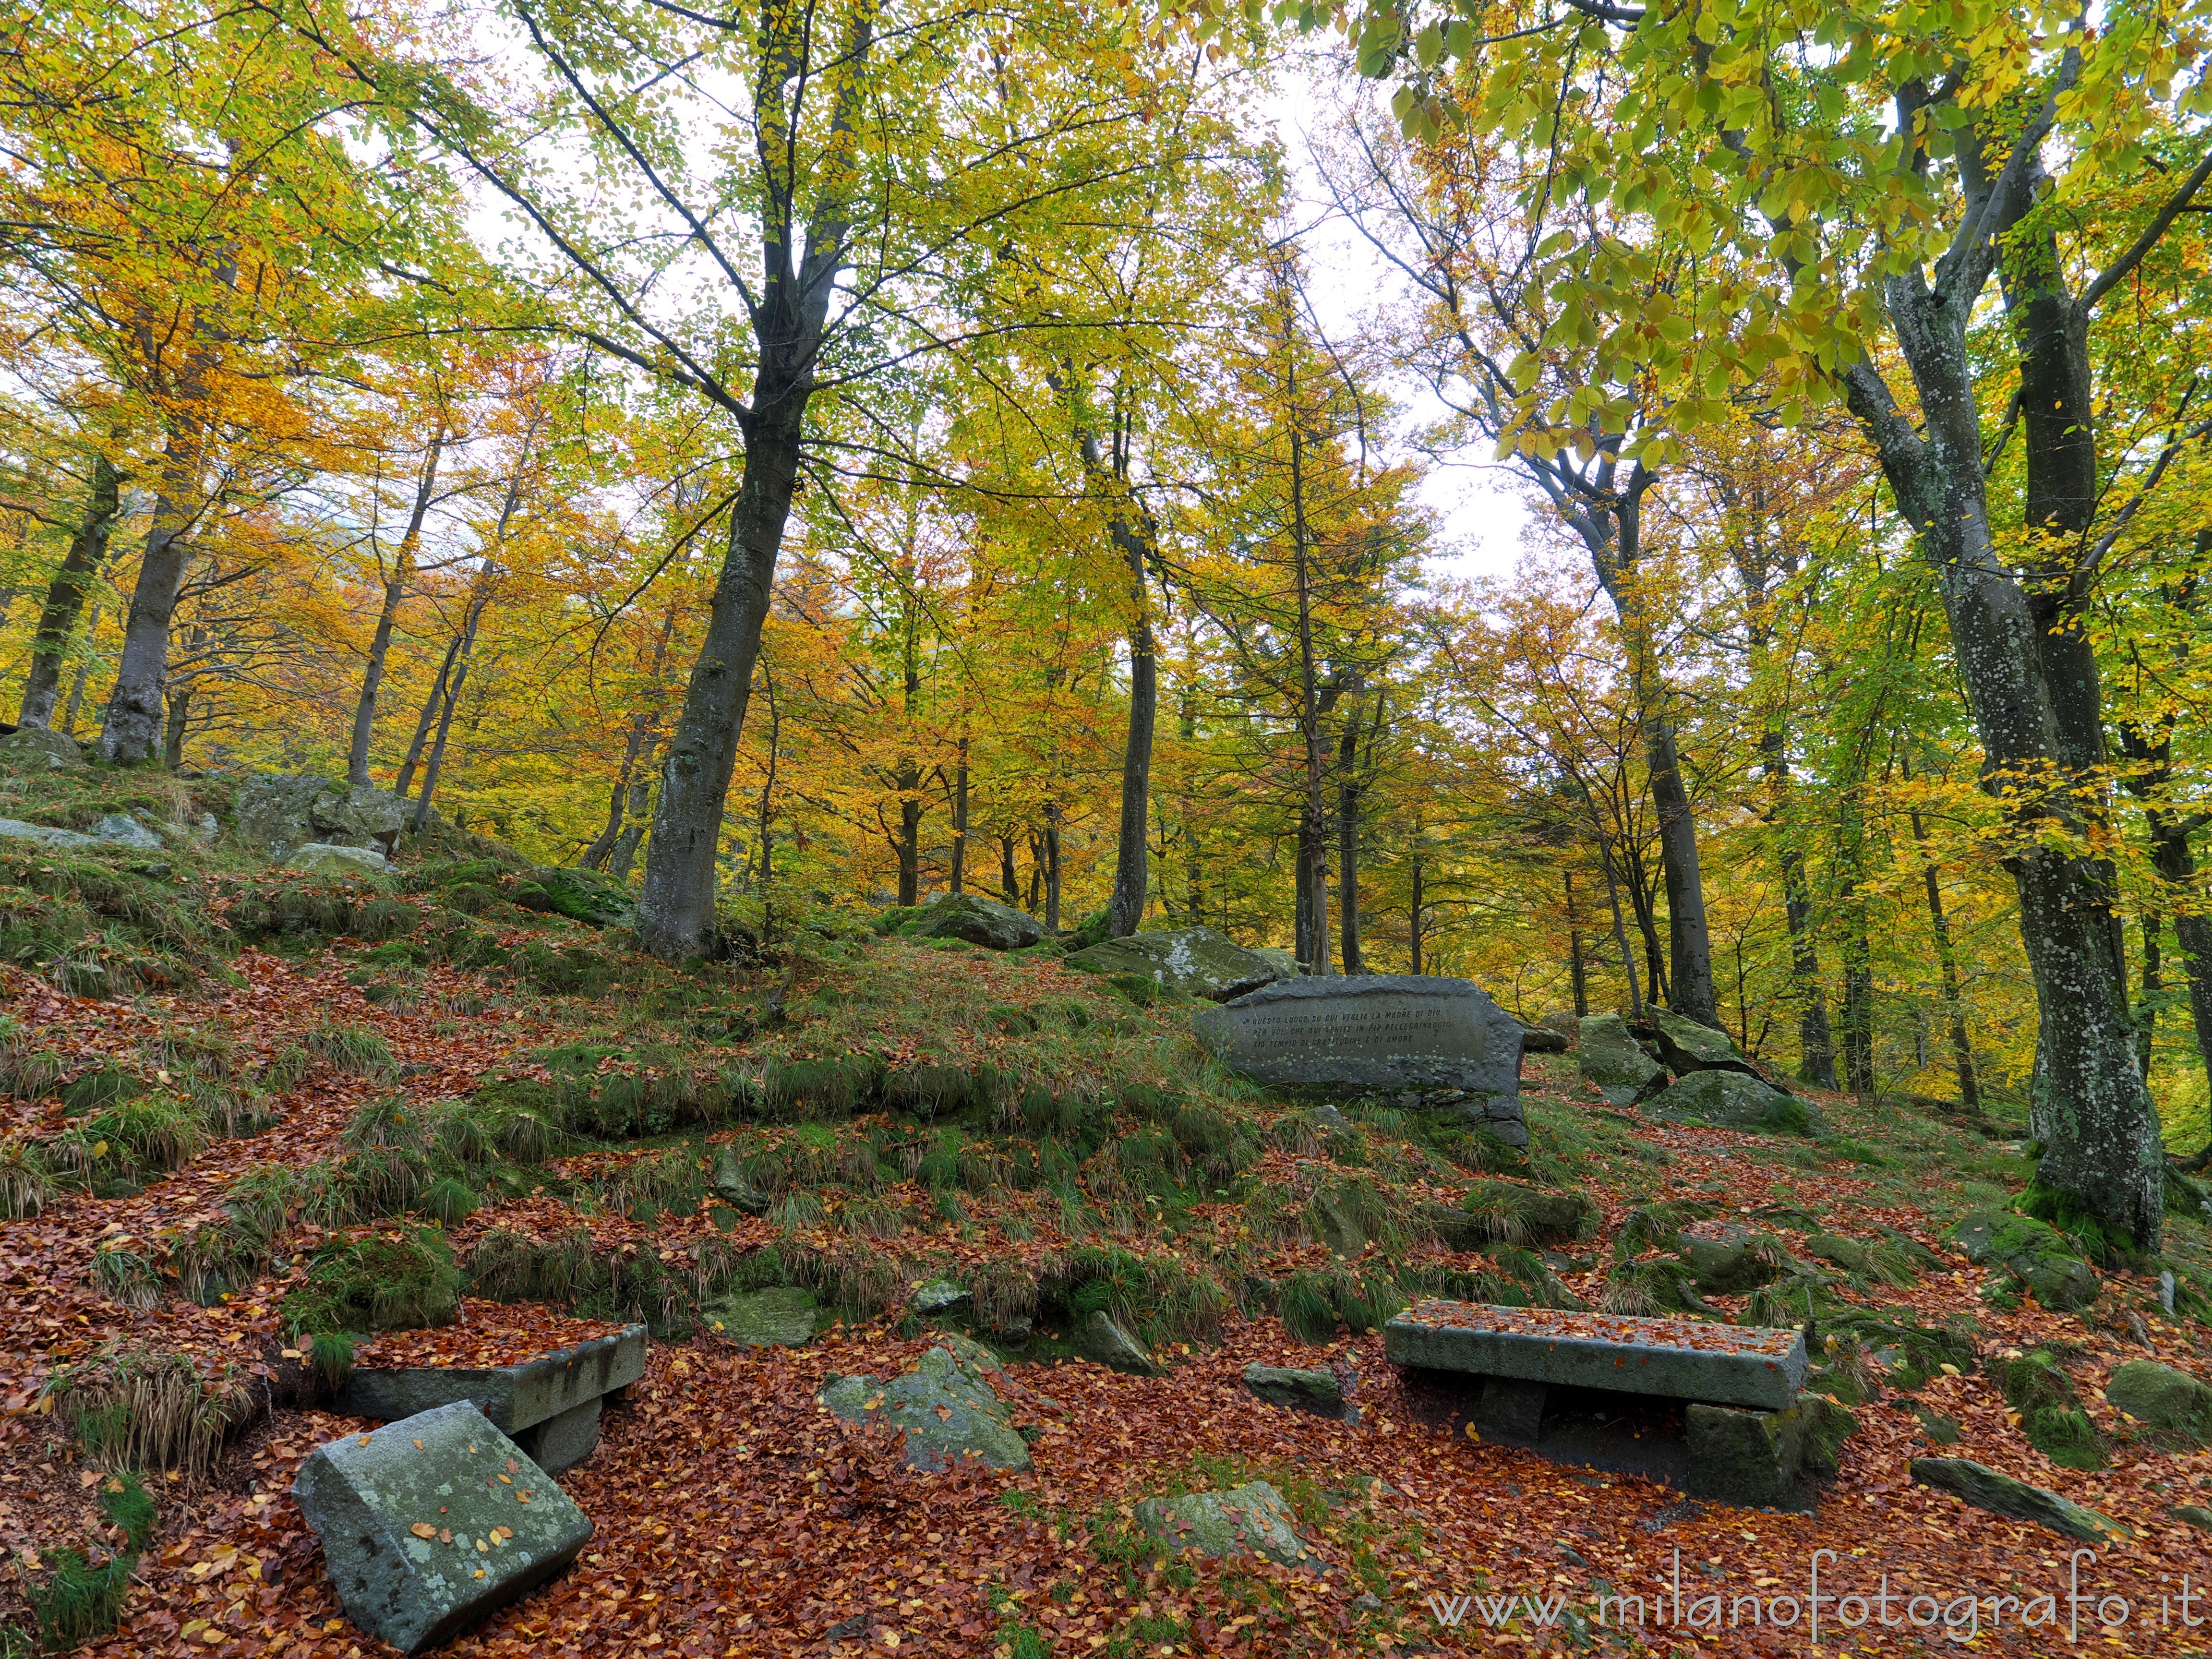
1252	1519
783	1316
948	1410
974	919
2031	1249
1734	1100
2173	1406
584	896
1986	1489
1196	961
1615	1063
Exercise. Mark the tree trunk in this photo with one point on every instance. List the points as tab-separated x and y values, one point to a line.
138	706
395	590
446	717
84	673
1052	866
172	736
2089	1105
427	719
675	908
2153	984
1347	844
960	819
1690	951
1947	962
907	844
1578	975
1417	916
1858	996
1010	881
88	551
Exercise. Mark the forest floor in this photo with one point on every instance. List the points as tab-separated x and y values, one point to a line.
328	1066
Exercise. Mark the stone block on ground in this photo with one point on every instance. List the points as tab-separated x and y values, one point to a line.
45	834
975	920
1734	1268
732	1186
1615	1063
124	830
40	748
1732	1100
275	812
1307	1389
1252	1519
1986	1488
584	896
431	1522
1687	1045
1680	1358
2170	1403
1101	1338
323	859
1512	1406
1198	962
946	1406
782	1316
1748	1458
1374	1034
1851	1256
514	1397
565	1440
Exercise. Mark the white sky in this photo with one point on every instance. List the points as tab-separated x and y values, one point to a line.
1480	510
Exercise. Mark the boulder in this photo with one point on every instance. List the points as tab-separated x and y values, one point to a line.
946	1409
1732	1100
2195	1515
1252	1519
1542	1040
275	812
1100	1338
2038	1253
1687	1045
40	748
976	920
323	858
781	1317
1615	1063
2000	1494
1736	1269
1838	1252
940	1296
1196	961
732	1186
1313	1391
431	1522
2170	1403
584	896
46	835
127	832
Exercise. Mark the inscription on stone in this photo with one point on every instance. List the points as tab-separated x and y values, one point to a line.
1379	1033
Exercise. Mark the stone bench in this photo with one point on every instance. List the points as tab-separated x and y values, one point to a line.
1740	1384
549	1406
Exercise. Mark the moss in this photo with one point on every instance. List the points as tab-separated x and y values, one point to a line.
2037	1386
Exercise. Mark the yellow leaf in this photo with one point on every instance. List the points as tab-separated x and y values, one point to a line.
423	1529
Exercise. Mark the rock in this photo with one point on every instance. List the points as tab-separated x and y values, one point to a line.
1686	1045
40	748
429	1523
1100	1338
732	1186
207	829
1827	1425
1547	1215
275	812
2035	1251
44	834
946	1409
1731	1269
1196	961
1986	1489
584	896
781	1317
2166	1285
1732	1100
940	1296
1285	964
2169	1403
127	832
1375	1033
1247	1520
1308	1390
323	859
1615	1062
1542	1040
1851	1256
1748	1458
977	919
2195	1515
1339	1227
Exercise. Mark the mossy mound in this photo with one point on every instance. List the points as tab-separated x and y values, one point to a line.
392	1282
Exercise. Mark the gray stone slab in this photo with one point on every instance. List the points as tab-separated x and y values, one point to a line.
562	1442
429	1523
1513	1405
1748	1458
1679	1358
947	1408
1372	1033
514	1397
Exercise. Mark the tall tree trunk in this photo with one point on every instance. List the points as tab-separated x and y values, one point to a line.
1690	951
172	736
1312	824
675	907
1347	843
2153	985
65	595
1052	866
84	673
1010	881
395	590
2089	1105
1417	916
452	700
907	844
1577	974
138	704
427	719
960	818
1947	962
1858	994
